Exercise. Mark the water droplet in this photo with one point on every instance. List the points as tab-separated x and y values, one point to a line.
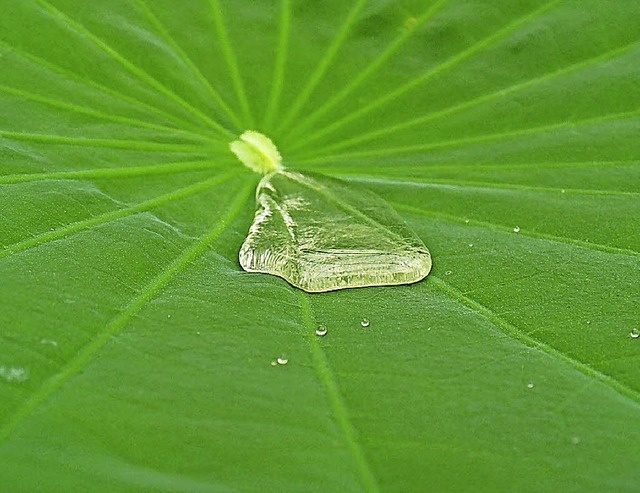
317	254
563	191
169	316
588	322
575	440
364	322
516	229
448	273
466	221
530	385
12	374
470	245
274	363
410	23
635	333
321	330
282	360
49	342
52	229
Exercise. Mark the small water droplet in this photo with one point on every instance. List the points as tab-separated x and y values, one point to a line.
52	229
516	229
274	363
12	374
321	330
169	316
466	221
563	191
49	342
588	322
470	245
448	273
282	360
575	440
635	333
530	385
364	322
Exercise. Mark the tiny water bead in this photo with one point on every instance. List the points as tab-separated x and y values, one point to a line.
635	333
13	374
530	385
364	322
321	330
516	229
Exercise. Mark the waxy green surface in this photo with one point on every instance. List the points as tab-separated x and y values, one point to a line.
135	353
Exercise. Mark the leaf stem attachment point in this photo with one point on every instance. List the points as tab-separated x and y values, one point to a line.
257	152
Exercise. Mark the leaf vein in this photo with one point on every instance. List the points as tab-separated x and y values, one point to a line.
188	62
65	231
117	324
451	62
115	172
498	227
341	415
514	332
82	31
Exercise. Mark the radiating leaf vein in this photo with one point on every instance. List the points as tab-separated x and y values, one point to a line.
65	231
85	355
518	334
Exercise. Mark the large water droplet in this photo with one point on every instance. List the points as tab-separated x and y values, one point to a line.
516	229
635	333
530	385
321	330
282	360
323	234
364	322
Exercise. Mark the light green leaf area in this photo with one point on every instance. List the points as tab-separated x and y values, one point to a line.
323	234
135	353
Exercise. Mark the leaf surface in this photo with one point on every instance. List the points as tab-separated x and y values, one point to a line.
135	354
